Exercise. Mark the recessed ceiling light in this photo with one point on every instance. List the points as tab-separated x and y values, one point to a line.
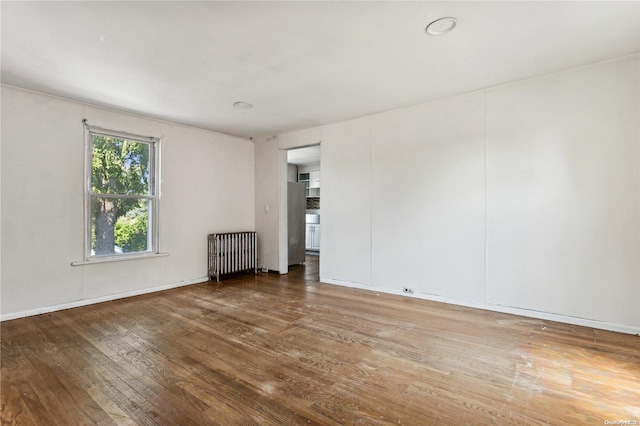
243	105
441	26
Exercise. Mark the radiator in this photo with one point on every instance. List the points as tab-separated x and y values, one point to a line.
232	252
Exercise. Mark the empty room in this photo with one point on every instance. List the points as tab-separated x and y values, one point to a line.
320	212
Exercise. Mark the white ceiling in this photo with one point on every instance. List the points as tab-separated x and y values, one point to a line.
301	64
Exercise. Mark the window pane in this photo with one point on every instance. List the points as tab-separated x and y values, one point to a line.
119	226
119	166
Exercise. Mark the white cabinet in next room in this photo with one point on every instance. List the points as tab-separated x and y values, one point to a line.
314	179
313	237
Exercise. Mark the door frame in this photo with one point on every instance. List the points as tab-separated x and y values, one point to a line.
283	234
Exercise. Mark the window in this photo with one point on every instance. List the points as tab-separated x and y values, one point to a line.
122	194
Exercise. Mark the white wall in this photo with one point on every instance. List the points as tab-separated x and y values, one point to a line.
345	223
563	206
428	198
523	198
207	186
267	202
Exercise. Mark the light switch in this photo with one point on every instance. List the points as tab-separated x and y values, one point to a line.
266	208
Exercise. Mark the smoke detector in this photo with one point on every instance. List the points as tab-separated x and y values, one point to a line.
441	26
243	105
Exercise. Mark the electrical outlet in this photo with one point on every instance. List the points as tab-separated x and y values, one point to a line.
407	290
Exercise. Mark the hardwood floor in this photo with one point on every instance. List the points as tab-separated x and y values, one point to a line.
285	350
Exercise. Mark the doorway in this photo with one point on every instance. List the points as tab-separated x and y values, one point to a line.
303	171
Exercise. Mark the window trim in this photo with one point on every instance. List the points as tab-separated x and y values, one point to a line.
153	196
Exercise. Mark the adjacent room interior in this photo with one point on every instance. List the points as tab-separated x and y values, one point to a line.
303	203
166	168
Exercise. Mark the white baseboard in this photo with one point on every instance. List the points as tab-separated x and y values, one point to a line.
486	306
627	329
107	298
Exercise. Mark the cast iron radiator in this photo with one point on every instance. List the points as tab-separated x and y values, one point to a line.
232	252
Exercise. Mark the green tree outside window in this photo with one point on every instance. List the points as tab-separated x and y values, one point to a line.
121	197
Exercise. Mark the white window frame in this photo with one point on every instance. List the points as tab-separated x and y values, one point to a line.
153	196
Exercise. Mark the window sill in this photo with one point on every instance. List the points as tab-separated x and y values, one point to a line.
122	258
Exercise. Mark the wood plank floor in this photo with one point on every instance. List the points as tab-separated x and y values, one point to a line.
285	350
